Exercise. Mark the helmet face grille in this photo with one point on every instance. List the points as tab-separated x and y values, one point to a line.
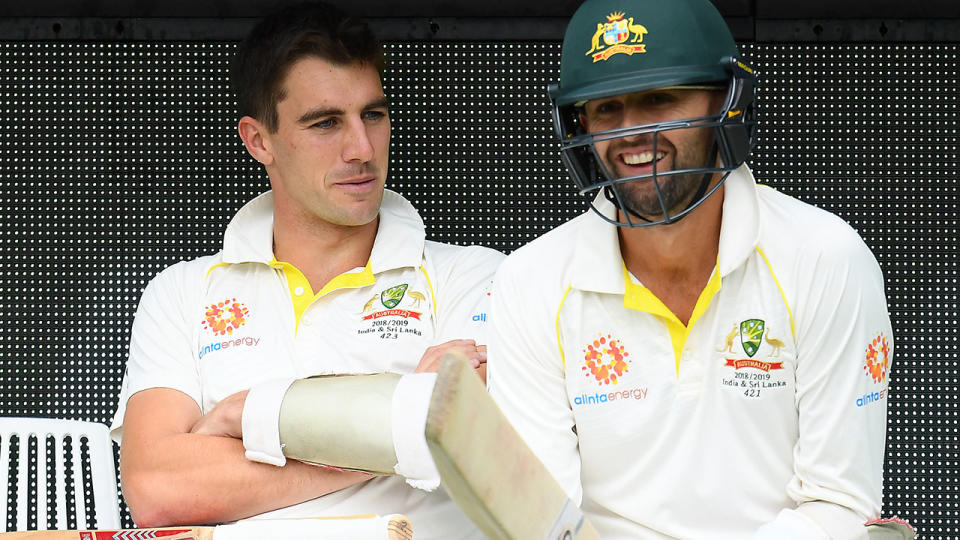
678	190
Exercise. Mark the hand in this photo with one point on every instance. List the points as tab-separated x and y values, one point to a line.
475	354
482	368
224	420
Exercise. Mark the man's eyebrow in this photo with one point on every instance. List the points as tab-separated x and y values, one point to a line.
382	103
315	114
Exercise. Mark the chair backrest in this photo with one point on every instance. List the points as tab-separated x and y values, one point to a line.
59	469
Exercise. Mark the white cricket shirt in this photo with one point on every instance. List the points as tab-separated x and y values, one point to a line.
774	393
223	323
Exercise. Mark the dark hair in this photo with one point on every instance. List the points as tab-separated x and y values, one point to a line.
281	39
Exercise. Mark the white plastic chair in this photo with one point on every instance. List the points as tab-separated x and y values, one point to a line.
103	475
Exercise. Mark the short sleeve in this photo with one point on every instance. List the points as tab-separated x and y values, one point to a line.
462	278
161	353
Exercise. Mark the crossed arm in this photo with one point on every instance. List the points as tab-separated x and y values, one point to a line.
179	466
172	476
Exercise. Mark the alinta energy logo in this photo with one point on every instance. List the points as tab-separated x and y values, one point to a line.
605	360
876	365
878	358
224	317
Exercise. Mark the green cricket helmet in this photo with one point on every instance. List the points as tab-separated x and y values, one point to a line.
615	47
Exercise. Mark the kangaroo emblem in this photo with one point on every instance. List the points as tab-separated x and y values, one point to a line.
595	40
728	341
369	305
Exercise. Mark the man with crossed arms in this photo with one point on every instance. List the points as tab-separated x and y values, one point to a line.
328	273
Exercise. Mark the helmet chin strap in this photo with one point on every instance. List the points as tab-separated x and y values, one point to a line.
704	185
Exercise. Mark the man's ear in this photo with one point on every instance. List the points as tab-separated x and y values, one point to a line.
583	121
254	135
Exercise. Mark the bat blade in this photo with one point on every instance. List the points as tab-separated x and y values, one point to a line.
488	469
166	533
392	527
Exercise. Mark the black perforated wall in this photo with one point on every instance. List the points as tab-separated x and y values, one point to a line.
118	159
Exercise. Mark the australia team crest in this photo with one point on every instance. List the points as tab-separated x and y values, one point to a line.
393	312
398	301
617	35
751	332
392	296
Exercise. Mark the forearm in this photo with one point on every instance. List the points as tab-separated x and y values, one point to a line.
200	479
172	475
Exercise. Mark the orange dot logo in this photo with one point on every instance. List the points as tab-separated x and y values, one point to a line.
878	358
224	317
605	360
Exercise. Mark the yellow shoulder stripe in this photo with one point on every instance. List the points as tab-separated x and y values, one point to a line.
793	331
433	296
212	268
563	359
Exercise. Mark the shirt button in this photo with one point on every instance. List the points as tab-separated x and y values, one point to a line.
298	291
691	371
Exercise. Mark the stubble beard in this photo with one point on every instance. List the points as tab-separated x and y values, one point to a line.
640	198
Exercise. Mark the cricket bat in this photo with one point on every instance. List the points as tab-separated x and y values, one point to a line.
488	470
392	527
170	533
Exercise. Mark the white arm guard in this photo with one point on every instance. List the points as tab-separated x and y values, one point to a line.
369	423
341	421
